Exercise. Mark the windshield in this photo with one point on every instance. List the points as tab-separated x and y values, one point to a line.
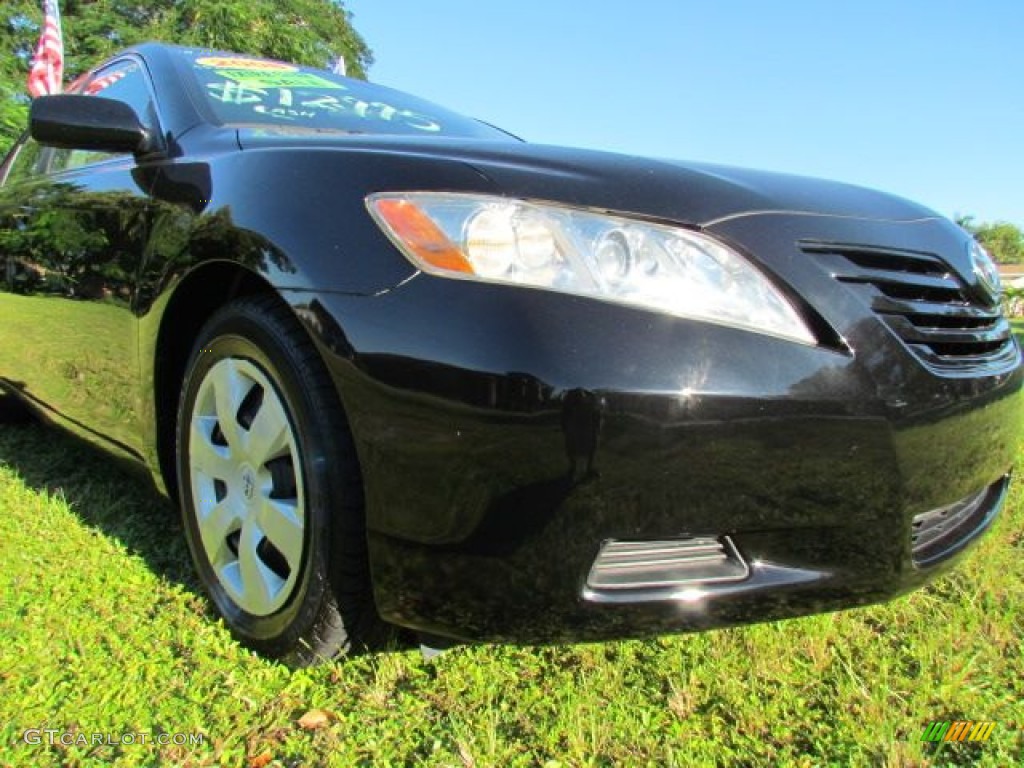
241	90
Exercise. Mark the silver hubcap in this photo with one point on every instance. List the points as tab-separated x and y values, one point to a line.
247	486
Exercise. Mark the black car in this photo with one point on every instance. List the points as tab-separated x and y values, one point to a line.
398	367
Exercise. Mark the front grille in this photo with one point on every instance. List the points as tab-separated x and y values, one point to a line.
925	304
939	533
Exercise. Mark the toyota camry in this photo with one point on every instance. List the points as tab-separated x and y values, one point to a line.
400	368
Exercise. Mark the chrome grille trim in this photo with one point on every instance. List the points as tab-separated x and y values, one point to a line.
640	565
925	304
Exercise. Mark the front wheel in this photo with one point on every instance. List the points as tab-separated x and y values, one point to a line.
270	488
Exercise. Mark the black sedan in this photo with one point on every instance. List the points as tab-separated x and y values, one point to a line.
398	367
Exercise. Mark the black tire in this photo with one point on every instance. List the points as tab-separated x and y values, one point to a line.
297	608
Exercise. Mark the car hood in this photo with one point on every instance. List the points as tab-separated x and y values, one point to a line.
695	193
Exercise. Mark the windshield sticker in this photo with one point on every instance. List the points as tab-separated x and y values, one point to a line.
376	110
314	101
251	79
233	93
252	65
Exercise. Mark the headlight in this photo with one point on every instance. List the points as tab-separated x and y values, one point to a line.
542	245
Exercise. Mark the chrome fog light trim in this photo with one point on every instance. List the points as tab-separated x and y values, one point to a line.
676	564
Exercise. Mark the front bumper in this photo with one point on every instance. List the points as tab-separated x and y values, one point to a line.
506	435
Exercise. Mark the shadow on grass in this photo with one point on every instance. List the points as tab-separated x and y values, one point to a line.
107	494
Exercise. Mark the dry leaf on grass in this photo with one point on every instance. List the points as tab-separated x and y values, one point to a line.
316	718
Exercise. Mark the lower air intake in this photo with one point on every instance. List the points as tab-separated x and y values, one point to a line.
639	565
939	533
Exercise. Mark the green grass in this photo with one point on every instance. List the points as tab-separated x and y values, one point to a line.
103	629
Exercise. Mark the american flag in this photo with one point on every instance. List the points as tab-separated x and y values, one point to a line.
48	64
106	81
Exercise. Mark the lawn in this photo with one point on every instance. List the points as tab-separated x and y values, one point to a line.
104	630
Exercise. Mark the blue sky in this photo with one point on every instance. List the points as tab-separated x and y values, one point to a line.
922	98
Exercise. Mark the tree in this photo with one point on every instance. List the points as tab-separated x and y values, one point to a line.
311	32
1003	241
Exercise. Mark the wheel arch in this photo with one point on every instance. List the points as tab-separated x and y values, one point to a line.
191	303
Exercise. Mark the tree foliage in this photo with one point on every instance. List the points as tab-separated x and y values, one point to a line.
312	32
1003	241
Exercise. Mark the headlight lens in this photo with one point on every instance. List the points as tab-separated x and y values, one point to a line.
614	258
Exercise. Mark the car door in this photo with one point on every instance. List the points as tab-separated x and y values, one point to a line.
73	228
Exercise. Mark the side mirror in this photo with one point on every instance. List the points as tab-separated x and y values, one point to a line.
73	121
